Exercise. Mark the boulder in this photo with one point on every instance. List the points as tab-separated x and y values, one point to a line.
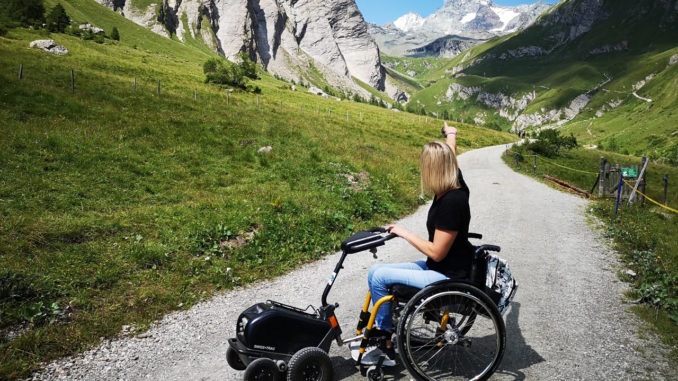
90	28
317	91
49	46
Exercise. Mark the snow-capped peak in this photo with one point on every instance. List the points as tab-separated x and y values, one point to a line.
409	22
505	15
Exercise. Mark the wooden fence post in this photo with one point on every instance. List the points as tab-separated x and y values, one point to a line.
21	71
257	101
666	186
515	154
158	87
347	116
601	177
135	84
72	81
639	182
643	180
228	98
195	95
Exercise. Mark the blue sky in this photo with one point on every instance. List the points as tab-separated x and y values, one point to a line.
382	11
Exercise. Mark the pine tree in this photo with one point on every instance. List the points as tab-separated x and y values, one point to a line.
57	19
115	35
22	12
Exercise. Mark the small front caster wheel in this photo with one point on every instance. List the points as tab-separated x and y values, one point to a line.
374	373
262	369
310	364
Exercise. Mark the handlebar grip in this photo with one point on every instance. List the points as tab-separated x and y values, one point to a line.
475	235
377	229
390	236
492	248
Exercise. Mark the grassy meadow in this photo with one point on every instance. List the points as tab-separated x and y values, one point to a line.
117	206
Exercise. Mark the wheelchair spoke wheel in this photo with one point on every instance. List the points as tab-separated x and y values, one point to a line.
451	332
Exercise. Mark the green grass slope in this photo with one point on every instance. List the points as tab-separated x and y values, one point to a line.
646	36
117	206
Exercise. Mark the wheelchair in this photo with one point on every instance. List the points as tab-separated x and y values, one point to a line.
449	330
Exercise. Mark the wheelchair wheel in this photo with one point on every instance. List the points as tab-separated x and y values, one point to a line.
451	332
310	364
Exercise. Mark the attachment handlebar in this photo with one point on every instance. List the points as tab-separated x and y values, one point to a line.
366	239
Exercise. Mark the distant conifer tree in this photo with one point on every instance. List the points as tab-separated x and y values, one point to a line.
57	19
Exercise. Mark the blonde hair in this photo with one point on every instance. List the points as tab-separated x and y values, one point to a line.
439	169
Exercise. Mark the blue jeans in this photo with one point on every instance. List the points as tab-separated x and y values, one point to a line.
382	275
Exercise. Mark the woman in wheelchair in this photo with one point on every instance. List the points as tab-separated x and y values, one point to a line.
448	251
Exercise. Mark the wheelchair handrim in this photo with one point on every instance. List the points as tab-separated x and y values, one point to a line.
476	300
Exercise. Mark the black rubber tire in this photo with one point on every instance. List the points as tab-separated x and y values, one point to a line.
233	359
310	364
463	301
262	369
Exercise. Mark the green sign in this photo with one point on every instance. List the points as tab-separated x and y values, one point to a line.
630	172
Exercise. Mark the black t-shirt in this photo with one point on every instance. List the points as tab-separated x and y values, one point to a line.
452	212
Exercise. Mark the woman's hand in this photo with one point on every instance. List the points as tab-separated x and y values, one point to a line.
398	230
447	129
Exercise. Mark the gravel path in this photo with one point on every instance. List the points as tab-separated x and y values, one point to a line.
567	322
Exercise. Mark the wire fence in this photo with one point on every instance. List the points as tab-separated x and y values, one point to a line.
396	115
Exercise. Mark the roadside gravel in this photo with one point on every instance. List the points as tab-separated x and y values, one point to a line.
568	320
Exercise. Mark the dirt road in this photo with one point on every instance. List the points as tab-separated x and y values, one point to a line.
567	322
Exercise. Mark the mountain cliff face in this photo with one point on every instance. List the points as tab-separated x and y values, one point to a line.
292	38
474	19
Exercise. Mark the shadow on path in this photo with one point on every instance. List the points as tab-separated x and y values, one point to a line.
519	354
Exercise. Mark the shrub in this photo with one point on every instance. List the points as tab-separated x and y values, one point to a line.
58	20
3	30
224	72
549	143
73	30
247	66
99	38
115	35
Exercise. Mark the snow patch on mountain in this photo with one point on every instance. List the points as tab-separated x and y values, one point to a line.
468	17
409	22
505	15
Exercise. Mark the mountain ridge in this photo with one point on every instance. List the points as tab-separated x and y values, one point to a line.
475	19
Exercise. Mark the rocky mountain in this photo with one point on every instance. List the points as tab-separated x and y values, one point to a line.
295	39
444	47
472	19
604	70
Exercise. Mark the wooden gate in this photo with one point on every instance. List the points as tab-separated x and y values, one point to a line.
609	175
